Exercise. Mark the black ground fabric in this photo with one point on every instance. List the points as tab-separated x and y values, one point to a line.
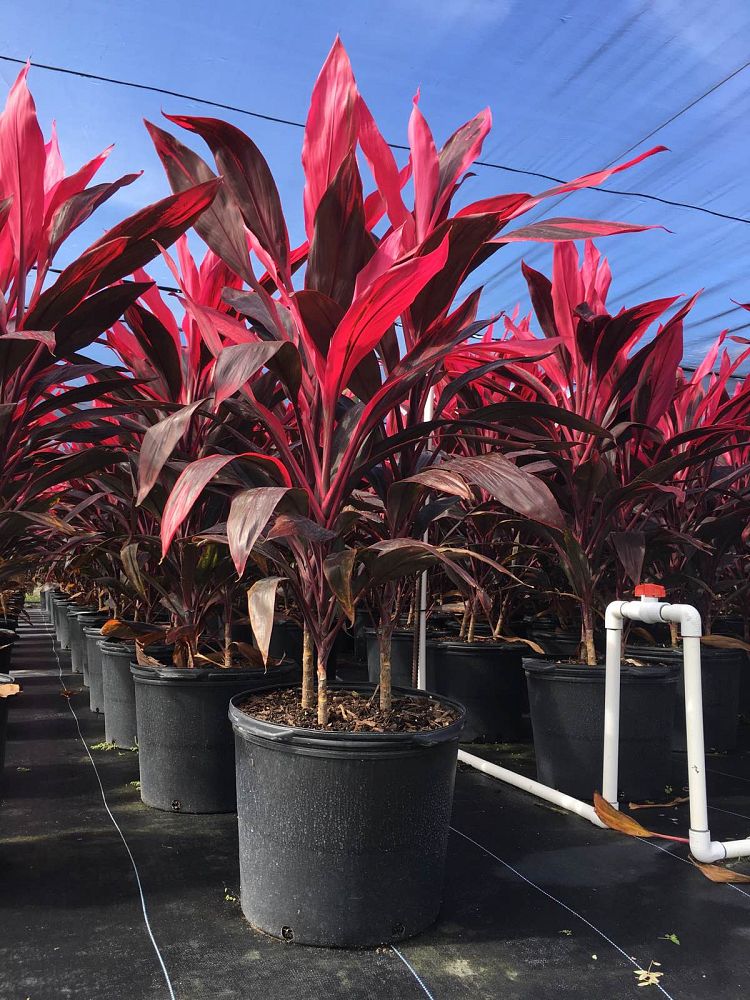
537	903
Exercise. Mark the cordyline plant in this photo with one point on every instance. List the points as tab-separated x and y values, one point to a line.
45	324
171	387
607	475
350	387
703	520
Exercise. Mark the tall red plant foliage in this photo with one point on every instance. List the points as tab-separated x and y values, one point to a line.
615	378
44	324
350	391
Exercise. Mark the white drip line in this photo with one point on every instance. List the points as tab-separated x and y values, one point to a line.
574	913
648	610
414	972
144	910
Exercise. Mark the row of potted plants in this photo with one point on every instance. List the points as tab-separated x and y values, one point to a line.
244	500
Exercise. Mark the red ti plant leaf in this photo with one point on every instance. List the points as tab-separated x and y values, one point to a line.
518	490
426	169
46	337
339	572
75	283
457	155
220	225
155	226
250	512
158	346
250	181
372	313
237	364
596	178
74	212
22	163
384	168
94	316
159	442
556	230
127	246
331	129
193	480
341	246
630	547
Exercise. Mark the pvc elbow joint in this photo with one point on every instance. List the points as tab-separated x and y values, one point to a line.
686	616
704	849
613	615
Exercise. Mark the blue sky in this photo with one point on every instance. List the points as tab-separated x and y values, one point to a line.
572	85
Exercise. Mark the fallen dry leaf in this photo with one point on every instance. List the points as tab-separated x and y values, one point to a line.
680	800
623	823
724	642
8	690
717	873
67	693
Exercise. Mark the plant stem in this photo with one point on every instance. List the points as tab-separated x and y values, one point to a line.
384	643
227	643
588	635
673	634
472	626
322	692
308	675
464	622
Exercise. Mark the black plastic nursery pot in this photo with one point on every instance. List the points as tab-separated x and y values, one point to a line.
7	639
60	620
93	678
488	679
567	717
92	620
45	598
557	642
118	689
4	679
75	635
734	626
402	654
286	641
342	836
287	644
185	739
721	671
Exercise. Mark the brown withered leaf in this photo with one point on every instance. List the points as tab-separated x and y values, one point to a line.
717	873
680	800
8	690
724	642
526	642
623	823
143	659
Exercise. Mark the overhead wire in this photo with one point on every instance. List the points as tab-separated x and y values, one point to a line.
489	164
398	146
488	283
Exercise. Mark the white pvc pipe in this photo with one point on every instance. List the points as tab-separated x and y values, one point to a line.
584	809
650	611
611	751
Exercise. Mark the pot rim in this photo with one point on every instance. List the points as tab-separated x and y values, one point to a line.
582	672
167	674
298	739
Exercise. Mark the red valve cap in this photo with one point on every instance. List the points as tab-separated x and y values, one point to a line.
650	590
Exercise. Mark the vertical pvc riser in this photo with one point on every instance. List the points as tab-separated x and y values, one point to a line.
694	728
611	716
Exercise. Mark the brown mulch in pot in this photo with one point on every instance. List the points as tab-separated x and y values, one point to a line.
350	712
